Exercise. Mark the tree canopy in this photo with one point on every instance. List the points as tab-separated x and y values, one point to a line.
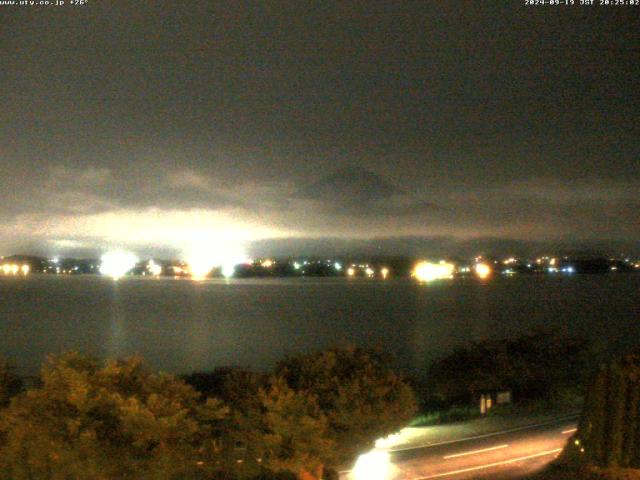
535	365
361	396
107	420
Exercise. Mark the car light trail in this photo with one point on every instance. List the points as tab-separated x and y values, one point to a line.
473	452
571	430
374	465
496	464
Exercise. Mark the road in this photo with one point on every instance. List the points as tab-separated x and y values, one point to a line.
501	455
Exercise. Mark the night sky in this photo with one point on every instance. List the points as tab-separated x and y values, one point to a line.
173	126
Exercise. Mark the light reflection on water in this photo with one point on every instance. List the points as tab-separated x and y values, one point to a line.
181	326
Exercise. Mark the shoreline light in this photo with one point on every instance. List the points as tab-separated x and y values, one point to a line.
228	270
482	270
428	272
154	268
117	263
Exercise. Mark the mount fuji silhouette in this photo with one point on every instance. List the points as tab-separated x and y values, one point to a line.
350	185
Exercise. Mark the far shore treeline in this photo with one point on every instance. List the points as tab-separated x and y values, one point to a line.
309	416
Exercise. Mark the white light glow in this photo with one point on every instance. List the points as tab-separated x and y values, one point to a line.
228	270
482	270
384	272
116	264
209	255
427	271
25	269
154	268
374	465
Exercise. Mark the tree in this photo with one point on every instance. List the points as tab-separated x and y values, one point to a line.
107	421
10	384
360	396
608	432
535	365
292	431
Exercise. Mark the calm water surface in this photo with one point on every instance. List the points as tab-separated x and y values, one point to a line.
182	326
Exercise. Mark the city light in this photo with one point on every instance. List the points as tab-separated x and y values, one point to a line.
267	263
14	269
384	272
351	271
203	258
117	263
200	266
369	271
427	271
154	268
483	270
374	465
228	270
337	266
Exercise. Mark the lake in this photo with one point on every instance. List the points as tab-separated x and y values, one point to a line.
181	326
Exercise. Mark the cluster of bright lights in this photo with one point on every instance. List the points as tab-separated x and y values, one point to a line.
374	465
228	270
200	265
154	268
14	269
117	263
202	260
483	270
428	272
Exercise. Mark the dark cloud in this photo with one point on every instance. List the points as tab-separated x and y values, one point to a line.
327	120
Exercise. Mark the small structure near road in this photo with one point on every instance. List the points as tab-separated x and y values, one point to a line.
488	400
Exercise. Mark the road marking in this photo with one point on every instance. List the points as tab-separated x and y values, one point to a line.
476	437
475	451
489	465
571	430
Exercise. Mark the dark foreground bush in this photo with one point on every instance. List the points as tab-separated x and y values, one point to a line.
540	365
565	472
106	421
10	384
90	419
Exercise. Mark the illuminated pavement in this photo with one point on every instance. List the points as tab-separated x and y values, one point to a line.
500	455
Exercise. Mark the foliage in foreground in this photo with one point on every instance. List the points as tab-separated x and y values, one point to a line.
118	420
609	432
107	421
566	472
360	396
540	365
10	384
